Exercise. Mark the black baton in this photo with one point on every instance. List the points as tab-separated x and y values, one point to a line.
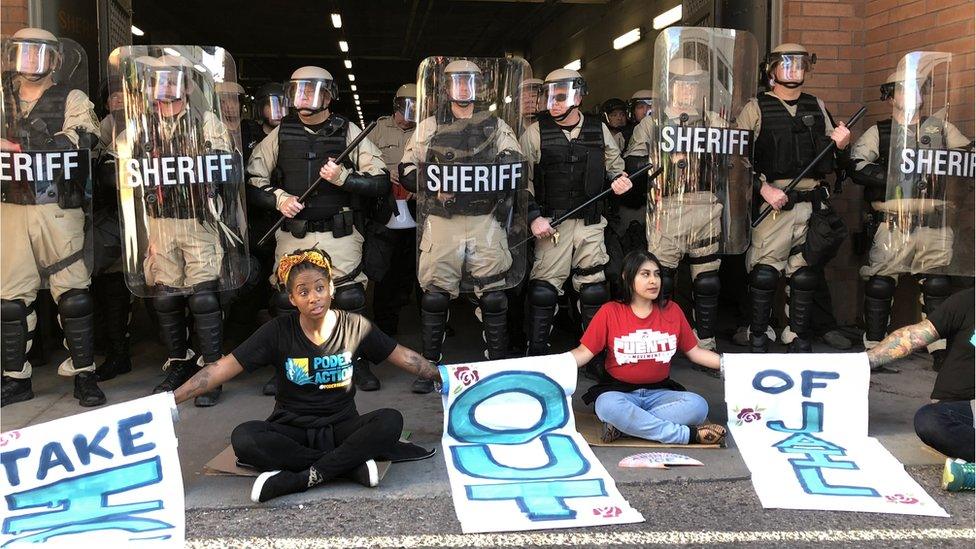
796	180
301	199
603	194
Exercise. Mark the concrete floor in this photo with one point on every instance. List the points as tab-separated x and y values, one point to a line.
205	432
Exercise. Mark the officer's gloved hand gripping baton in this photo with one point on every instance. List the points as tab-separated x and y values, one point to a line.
311	188
796	180
600	196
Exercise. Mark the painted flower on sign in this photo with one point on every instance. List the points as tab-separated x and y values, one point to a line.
747	415
466	375
902	498
9	436
607	512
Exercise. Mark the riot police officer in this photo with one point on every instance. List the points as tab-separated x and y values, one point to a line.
571	158
641	105
614	112
791	127
44	219
290	158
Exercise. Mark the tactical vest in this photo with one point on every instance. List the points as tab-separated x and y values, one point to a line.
570	171
300	157
787	144
36	130
177	201
464	141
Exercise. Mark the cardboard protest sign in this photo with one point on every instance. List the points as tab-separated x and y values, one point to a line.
103	478
514	457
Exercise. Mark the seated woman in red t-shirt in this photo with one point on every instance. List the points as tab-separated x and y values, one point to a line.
641	333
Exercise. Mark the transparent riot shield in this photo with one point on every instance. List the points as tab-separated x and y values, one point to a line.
48	132
471	174
699	206
928	206
180	170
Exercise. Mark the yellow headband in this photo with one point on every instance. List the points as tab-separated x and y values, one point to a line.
288	261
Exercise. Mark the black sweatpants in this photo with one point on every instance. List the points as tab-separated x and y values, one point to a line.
274	446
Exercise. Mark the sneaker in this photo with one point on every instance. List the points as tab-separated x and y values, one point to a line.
609	433
207	400
363	377
837	340
422	386
15	390
112	367
179	372
87	391
711	433
275	484
958	475
271	386
367	474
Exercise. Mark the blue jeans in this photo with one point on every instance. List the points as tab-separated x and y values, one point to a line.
947	426
653	414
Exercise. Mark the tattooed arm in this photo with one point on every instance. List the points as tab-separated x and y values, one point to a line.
411	361
902	342
212	375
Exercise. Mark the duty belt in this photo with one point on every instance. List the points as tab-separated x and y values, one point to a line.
310	226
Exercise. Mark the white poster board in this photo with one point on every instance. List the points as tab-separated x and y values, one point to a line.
801	424
514	457
106	478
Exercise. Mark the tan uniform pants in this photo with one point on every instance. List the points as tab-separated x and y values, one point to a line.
36	236
475	245
182	253
579	246
692	227
897	250
346	252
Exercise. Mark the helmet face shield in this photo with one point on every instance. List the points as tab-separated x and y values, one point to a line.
30	57
793	67
640	108
562	95
463	86
313	95
273	108
168	84
407	107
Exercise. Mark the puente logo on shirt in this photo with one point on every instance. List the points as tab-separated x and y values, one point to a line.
327	371
644	345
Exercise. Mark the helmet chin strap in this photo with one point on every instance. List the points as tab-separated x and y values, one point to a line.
563	116
462	104
790	85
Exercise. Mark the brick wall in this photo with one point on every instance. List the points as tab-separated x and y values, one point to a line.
858	43
13	16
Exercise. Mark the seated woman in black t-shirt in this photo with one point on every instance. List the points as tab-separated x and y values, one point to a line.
315	433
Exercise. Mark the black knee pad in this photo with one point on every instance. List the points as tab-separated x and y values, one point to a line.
667	281
435	302
936	286
593	294
764	277
169	303
494	302
75	303
13	310
805	279
542	294
351	297
203	303
708	283
880	287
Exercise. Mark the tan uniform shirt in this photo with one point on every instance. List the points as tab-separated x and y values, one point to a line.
79	112
866	151
531	147
391	140
264	159
640	140
416	149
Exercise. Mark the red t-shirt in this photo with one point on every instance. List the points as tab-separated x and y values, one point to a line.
639	349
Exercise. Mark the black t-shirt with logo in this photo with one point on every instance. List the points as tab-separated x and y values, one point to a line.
954	321
314	380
